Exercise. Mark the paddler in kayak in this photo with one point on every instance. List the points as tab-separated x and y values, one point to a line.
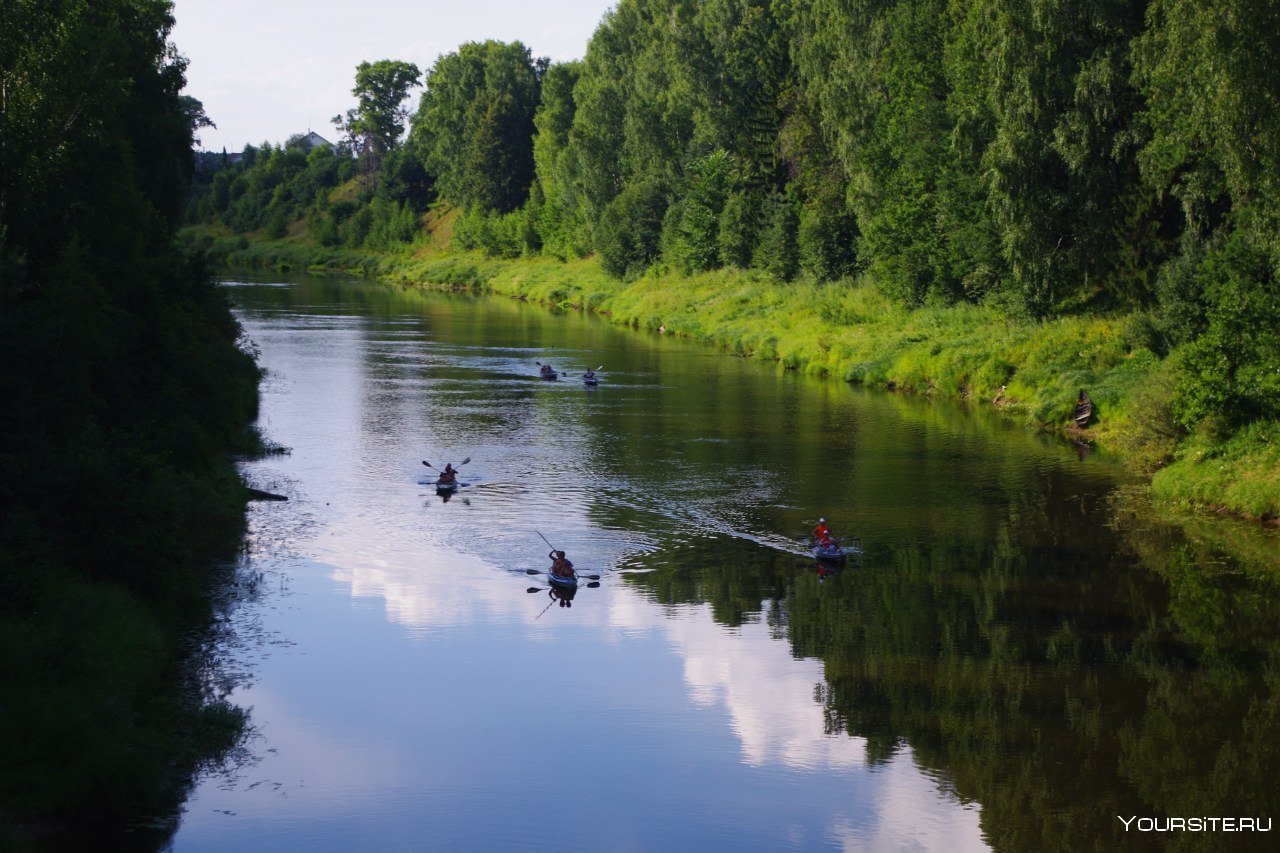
560	565
589	376
548	372
822	534
449	475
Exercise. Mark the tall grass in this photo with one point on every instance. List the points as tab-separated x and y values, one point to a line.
1241	473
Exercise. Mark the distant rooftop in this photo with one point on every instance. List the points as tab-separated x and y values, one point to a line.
313	140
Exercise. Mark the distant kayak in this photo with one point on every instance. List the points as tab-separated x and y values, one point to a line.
590	381
446	485
549	375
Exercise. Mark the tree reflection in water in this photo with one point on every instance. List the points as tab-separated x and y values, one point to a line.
1129	673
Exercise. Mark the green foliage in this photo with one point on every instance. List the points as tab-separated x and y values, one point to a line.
738	67
498	235
1152	433
125	394
1209	77
563	228
739	222
1231	372
389	223
378	119
779	252
826	239
356	230
629	231
1064	186
271	183
1240	472
695	243
277	224
322	226
884	101
474	126
404	180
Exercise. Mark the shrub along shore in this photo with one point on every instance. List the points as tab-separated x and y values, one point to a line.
1031	370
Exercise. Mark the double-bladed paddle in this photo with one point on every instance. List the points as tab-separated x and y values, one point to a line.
460	464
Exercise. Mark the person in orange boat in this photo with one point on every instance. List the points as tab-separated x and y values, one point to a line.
822	533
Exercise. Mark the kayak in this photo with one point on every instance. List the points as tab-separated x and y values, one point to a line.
828	552
591	381
549	375
449	486
563	583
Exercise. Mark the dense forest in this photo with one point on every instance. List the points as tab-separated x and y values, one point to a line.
125	394
1042	160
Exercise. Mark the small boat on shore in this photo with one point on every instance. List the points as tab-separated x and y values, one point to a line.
1083	411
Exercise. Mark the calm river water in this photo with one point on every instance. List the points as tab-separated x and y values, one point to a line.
1016	658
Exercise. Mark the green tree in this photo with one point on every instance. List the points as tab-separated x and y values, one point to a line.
826	239
1212	156
738	64
193	109
628	233
738	231
377	121
405	180
1231	370
634	101
696	245
778	253
474	126
562	226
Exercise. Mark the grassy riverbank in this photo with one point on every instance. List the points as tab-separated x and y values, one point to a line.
850	331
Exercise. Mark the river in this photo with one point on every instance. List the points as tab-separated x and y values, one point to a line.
1012	661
